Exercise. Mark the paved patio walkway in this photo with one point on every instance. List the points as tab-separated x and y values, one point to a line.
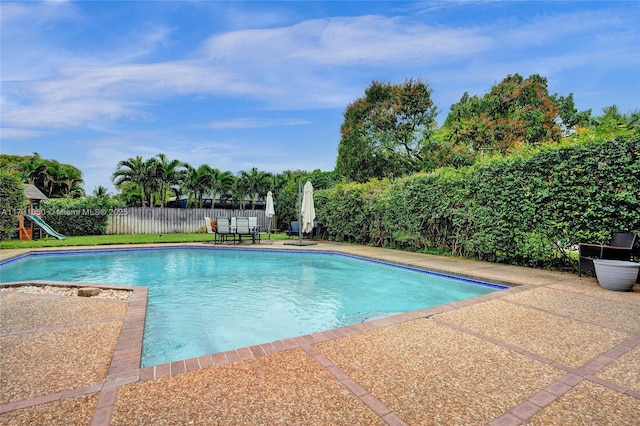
552	349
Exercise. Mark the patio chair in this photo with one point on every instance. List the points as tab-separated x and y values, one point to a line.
253	226
210	228
223	230
207	223
620	247
243	228
294	230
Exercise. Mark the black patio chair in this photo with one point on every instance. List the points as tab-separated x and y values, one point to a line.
294	230
619	248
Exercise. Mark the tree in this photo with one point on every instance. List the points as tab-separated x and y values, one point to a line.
613	123
129	194
12	201
74	182
386	132
516	112
136	171
286	195
569	115
34	171
51	177
222	184
357	160
63	180
168	174
56	179
196	183
253	183
322	179
101	192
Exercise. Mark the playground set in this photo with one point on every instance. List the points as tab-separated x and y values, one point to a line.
31	226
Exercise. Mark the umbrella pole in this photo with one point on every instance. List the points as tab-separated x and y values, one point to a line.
301	218
300	212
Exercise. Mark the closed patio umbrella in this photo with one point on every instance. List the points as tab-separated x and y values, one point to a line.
269	210
307	210
307	214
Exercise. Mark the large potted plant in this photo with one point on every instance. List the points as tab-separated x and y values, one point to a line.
618	275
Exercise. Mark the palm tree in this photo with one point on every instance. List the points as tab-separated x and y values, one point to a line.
197	182
137	171
34	171
56	176
239	192
101	192
51	177
168	175
221	183
63	180
255	184
75	182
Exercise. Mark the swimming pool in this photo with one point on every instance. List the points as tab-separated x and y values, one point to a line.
208	300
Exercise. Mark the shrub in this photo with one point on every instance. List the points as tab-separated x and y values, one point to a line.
79	216
12	203
526	209
352	212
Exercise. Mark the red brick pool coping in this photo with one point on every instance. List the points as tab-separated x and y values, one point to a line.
125	363
126	360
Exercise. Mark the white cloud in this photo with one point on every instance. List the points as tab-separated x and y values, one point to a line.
364	40
315	63
253	123
13	133
69	113
31	15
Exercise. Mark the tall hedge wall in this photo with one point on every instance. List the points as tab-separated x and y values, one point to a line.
526	210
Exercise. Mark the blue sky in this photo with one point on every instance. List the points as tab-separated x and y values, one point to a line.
238	85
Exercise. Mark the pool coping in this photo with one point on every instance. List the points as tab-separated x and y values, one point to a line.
495	283
124	367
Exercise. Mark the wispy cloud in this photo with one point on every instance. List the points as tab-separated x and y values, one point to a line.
13	133
239	85
314	63
254	123
364	40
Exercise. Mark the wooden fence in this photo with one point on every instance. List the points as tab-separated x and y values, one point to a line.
146	220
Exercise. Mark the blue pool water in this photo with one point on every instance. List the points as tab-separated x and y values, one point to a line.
203	301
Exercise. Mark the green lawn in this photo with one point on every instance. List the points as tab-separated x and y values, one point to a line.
95	240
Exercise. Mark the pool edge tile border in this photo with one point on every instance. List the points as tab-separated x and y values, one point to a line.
124	365
127	355
263	349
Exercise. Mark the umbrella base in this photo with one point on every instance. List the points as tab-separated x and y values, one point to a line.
300	243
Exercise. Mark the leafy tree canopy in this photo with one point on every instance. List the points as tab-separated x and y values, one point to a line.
386	132
515	113
54	179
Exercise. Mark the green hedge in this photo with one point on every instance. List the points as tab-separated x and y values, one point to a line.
530	209
79	216
353	212
12	203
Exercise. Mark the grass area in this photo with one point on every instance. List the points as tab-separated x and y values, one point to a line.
96	240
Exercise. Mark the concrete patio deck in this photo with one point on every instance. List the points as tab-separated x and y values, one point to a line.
552	349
